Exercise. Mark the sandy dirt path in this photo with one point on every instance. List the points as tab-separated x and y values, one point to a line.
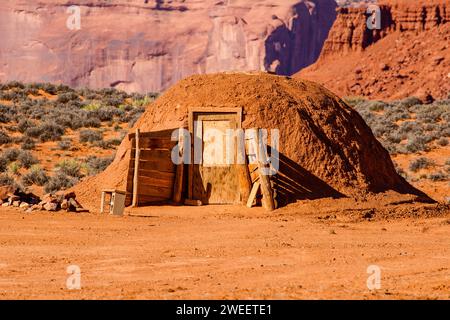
221	253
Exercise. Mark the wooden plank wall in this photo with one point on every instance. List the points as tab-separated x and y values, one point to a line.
156	174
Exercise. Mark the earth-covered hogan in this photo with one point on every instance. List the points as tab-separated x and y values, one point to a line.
53	136
326	149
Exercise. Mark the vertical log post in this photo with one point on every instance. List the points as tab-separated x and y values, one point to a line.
245	181
178	185
266	187
136	171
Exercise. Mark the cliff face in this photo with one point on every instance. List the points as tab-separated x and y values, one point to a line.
145	46
350	32
409	55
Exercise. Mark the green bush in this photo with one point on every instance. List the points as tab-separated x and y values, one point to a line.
36	176
96	165
26	159
58	182
420	163
71	168
4	138
90	136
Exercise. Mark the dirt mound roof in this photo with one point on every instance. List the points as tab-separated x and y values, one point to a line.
330	146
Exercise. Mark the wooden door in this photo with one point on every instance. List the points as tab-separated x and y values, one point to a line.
215	179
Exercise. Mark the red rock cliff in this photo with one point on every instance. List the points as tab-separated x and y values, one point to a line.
138	45
408	56
350	30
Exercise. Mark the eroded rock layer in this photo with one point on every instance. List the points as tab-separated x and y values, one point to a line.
138	45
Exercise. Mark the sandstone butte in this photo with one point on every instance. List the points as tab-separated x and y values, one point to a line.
409	56
147	46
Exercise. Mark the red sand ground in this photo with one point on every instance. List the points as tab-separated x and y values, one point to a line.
228	252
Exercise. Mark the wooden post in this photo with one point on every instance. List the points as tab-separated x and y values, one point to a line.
245	181
136	171
253	193
102	205
266	187
178	185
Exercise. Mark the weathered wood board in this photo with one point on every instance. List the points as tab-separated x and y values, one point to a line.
156	171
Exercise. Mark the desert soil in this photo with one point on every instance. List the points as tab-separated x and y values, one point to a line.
227	252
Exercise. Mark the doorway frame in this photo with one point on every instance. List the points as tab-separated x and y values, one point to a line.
191	116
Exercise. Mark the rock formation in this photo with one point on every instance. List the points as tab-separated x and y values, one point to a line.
144	46
408	55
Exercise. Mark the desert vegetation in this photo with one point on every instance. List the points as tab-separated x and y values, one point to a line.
414	133
53	136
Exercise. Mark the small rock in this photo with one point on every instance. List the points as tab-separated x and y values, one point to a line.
24	205
384	67
37	207
49	198
65	204
437	60
16	204
51	206
6	204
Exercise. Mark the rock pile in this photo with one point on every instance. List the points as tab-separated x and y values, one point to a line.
49	202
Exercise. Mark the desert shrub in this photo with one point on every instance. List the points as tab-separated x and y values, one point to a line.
6	180
49	88
14	167
36	176
14	84
375	106
108	144
28	144
409	102
400	171
420	163
96	165
443	142
59	181
91	122
66	97
26	159
90	136
417	144
71	168
93	106
106	113
4	138
3	164
25	124
65	144
11	154
46	131
438	176
4	117
66	119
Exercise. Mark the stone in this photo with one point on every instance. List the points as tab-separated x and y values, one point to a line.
51	206
65	204
49	198
6	204
16	204
5	192
24	205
